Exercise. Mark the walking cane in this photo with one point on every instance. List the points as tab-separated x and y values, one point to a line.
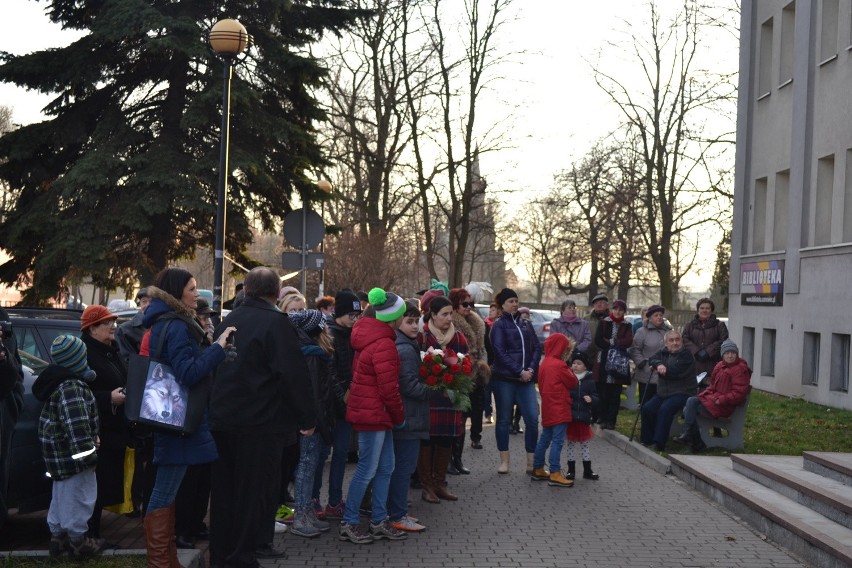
639	410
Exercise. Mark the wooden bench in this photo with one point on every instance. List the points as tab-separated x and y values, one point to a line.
733	427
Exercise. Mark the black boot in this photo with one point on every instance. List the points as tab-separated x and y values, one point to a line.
572	470
587	471
458	450
696	443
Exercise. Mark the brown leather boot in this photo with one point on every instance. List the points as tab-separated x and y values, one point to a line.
441	461
158	536
173	557
424	470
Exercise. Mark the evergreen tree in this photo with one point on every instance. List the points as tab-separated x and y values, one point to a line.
721	275
121	178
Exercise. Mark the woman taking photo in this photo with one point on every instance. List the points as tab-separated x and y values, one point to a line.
98	327
516	356
445	422
172	312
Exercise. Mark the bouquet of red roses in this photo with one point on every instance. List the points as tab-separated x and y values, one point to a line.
449	371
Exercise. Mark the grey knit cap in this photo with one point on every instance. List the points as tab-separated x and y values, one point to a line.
729	345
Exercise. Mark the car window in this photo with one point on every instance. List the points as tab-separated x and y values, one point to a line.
36	364
27	341
48	334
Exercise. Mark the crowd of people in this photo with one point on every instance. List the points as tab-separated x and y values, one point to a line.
291	386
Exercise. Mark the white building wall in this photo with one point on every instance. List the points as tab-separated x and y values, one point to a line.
793	196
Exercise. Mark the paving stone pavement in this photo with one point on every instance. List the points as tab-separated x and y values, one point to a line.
631	517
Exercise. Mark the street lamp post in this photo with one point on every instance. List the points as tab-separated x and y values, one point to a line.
228	39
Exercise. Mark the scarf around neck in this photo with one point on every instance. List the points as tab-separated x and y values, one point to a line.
443	338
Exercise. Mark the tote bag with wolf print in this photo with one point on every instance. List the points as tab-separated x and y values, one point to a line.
157	400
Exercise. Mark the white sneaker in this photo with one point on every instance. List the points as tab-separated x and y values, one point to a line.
280	528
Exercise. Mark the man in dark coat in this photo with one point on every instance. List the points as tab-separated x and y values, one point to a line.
257	398
675	369
11	401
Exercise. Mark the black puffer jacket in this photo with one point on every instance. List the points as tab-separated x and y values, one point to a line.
343	356
321	369
581	411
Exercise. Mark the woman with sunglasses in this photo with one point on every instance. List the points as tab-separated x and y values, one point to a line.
471	325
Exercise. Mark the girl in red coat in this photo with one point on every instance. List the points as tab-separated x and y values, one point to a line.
555	381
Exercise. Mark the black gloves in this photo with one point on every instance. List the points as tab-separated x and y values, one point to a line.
702	355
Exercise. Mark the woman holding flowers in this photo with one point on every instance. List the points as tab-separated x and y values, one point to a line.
445	421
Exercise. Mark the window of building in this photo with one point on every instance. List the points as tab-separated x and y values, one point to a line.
788	26
764	66
758	236
847	199
782	198
824	198
767	354
828	30
810	359
747	348
840	362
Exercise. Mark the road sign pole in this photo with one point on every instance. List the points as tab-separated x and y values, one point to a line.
304	275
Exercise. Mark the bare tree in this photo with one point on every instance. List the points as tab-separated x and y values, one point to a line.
669	118
457	194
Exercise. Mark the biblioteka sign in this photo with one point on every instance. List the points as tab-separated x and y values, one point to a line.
762	283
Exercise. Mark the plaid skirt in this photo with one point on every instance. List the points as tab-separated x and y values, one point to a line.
444	420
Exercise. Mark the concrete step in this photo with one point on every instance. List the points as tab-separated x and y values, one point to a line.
787	476
830	464
796	527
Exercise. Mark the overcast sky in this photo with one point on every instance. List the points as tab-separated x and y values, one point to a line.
557	107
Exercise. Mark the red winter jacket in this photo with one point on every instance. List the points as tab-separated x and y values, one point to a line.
728	388
555	381
374	402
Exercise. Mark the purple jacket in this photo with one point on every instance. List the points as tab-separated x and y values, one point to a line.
578	330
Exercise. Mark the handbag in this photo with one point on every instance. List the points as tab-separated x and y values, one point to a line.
617	361
157	400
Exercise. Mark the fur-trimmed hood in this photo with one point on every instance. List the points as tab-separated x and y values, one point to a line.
473	329
164	304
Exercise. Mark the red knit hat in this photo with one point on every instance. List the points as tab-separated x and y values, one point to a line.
94	315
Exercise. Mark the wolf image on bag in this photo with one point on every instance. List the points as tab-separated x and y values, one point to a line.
164	400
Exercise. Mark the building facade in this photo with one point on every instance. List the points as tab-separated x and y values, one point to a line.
791	257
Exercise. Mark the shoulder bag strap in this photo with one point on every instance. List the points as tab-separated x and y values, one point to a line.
161	339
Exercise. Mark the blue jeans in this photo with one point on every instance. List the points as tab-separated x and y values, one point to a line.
340	451
309	453
375	463
166	486
691	410
556	434
506	394
405	454
657	416
324	451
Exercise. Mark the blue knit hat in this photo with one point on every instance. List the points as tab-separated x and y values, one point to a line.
70	352
388	306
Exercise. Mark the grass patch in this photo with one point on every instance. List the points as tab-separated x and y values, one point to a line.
120	561
776	425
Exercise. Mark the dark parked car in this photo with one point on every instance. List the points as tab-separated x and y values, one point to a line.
26	487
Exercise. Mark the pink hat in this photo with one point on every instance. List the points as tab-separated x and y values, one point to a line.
428	297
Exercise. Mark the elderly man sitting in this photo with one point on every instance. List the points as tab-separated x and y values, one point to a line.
675	368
